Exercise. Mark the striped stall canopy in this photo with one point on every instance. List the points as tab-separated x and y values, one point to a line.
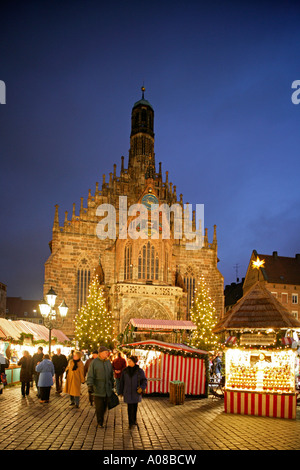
158	324
12	330
173	362
153	344
261	404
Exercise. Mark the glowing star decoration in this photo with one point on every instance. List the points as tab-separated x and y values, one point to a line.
259	263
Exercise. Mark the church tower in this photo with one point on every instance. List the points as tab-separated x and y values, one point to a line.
141	153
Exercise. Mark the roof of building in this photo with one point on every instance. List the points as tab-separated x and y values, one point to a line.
11	330
233	293
19	307
280	269
142	102
158	324
257	309
166	347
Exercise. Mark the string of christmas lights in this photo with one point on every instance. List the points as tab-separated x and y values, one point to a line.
94	324
203	315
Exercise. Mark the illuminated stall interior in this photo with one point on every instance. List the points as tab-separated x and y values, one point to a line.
262	346
17	336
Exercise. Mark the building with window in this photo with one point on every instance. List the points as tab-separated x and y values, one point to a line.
2	299
280	275
20	309
146	276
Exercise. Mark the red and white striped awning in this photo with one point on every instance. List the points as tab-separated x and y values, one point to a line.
158	324
13	330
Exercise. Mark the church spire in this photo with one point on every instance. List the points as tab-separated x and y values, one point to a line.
56	219
141	153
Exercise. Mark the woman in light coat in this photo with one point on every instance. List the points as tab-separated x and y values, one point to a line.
46	373
75	377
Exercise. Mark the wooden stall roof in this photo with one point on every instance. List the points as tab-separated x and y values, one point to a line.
257	309
158	324
13	329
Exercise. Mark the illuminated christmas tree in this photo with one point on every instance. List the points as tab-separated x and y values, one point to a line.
203	314
94	324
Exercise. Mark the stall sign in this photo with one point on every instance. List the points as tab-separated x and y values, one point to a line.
27	341
257	339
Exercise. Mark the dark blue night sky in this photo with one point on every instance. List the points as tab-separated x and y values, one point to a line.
218	75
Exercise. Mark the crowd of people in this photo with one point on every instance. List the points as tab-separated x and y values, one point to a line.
103	373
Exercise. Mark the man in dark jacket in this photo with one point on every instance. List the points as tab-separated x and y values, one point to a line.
37	357
100	382
118	365
60	363
26	372
86	368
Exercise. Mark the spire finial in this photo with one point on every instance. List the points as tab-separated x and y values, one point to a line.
56	220
143	91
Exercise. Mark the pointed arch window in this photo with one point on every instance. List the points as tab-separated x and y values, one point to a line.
128	263
148	263
83	282
190	284
144	118
166	266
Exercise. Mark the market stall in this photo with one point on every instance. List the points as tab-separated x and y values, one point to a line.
164	363
17	336
260	356
144	328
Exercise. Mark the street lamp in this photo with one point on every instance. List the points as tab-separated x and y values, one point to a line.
50	317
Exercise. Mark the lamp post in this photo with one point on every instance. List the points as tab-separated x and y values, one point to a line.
50	316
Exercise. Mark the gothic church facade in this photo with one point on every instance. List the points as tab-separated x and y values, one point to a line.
145	277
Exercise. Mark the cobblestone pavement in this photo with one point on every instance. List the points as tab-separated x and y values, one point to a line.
198	424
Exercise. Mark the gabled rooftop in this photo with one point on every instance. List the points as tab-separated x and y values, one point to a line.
257	309
280	269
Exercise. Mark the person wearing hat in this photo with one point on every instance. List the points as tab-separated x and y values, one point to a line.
100	381
86	368
133	383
